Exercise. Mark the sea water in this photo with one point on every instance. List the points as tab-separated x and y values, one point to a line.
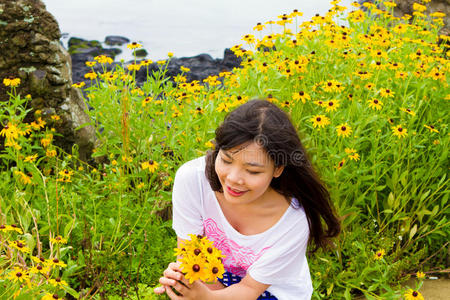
184	27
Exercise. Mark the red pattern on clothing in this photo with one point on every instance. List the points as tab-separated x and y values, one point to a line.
238	258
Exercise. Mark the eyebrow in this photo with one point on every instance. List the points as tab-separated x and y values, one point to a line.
252	164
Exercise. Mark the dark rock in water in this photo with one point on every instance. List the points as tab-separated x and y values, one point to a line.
113	40
230	60
140	53
90	48
201	66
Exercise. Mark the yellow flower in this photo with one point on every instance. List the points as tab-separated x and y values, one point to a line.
214	269
50	153
258	27
146	62
320	121
11	131
223	107
184	69
301	96
379	254
386	93
49	296
390	4
134	45
23	177
344	130
340	164
354	156
332	105
399	131
79	84
55	262
375	104
58	282
418	7
151	165
413	295
103	59
134	67
209	144
408	111
20	245
90	75
58	240
90	63
431	128
170	54
39	269
18	274
11	81
420	275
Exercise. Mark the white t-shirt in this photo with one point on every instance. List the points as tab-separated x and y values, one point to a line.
275	256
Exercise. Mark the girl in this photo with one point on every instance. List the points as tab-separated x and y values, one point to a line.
257	197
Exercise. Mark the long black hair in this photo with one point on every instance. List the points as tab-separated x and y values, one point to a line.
270	127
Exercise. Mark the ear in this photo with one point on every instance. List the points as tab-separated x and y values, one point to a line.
278	171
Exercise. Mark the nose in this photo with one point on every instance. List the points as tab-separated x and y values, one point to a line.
235	177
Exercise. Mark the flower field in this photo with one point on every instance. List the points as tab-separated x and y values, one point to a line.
369	95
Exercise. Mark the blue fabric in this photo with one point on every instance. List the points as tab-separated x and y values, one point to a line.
230	279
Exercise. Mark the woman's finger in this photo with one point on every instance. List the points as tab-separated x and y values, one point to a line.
180	287
175	266
171	273
167	281
171	293
159	290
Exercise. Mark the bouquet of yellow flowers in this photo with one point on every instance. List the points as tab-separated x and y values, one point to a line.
200	259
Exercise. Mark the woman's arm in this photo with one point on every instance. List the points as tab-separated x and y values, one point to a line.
246	289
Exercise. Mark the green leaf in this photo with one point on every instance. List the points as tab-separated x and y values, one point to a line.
413	231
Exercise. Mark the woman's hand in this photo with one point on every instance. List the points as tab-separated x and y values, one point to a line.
171	275
174	278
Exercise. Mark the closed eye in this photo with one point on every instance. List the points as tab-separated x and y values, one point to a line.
253	172
225	161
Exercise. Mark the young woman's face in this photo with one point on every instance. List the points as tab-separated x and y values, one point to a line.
245	173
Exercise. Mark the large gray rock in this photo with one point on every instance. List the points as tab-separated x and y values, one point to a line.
30	49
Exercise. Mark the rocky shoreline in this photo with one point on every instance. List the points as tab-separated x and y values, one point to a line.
201	66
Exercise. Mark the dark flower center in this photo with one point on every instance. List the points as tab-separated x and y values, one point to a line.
210	250
415	294
343	128
55	296
330	103
215	270
431	126
318	119
18	274
58	279
375	101
39	267
196	268
329	83
151	162
197	251
301	93
400	129
56	260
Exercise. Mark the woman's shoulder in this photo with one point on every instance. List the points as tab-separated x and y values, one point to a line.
191	169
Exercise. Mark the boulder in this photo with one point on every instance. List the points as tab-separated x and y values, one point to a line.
30	49
113	40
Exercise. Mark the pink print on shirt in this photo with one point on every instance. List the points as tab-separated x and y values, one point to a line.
238	258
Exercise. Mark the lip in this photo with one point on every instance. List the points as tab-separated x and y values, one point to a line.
234	193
